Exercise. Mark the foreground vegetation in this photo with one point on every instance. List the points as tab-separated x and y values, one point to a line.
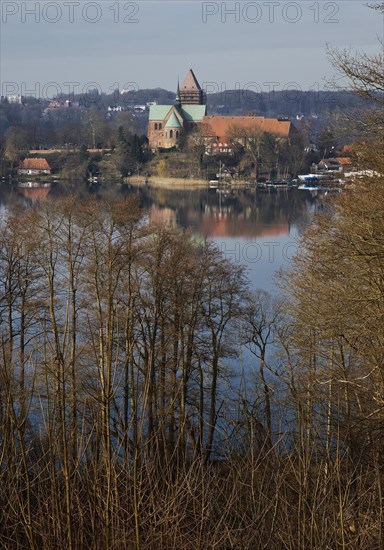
120	423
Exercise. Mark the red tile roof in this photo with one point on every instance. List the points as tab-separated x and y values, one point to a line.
34	164
222	126
343	160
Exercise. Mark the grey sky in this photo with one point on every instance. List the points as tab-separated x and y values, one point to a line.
262	42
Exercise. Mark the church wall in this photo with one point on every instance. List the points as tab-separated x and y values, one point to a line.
161	137
155	133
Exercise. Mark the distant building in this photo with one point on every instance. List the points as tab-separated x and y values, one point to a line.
55	104
222	132
34	167
188	115
167	122
14	99
338	164
115	108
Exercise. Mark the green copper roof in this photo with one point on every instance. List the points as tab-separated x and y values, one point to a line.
159	112
193	112
173	122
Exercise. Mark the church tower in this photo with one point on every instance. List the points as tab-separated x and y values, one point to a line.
178	99
190	92
166	122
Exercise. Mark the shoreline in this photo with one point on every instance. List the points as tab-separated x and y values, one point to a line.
158	182
166	183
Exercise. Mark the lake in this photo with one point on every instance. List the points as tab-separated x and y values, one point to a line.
256	228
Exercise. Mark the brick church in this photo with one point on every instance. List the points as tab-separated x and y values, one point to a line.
166	122
189	114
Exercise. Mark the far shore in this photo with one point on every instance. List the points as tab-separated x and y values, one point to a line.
65	150
172	183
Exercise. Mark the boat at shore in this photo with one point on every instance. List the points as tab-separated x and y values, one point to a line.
326	187
311	186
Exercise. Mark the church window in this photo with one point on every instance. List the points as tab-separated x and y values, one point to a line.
177	134
155	125
171	134
160	125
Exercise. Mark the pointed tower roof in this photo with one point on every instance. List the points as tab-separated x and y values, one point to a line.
173	122
190	82
177	99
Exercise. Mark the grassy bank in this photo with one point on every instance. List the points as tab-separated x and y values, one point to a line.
166	183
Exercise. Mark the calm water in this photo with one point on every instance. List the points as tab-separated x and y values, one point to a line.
254	228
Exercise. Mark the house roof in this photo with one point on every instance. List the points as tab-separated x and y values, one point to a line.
343	160
173	122
337	161
325	162
190	82
193	112
221	126
34	164
159	112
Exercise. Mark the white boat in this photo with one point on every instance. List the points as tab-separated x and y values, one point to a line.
310	177
310	186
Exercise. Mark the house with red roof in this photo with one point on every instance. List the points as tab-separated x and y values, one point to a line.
222	132
36	167
338	164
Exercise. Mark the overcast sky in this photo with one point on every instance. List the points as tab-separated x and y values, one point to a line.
148	44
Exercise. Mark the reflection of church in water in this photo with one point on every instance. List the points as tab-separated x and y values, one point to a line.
246	215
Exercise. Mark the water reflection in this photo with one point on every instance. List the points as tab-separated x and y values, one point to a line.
23	193
34	194
255	228
245	213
